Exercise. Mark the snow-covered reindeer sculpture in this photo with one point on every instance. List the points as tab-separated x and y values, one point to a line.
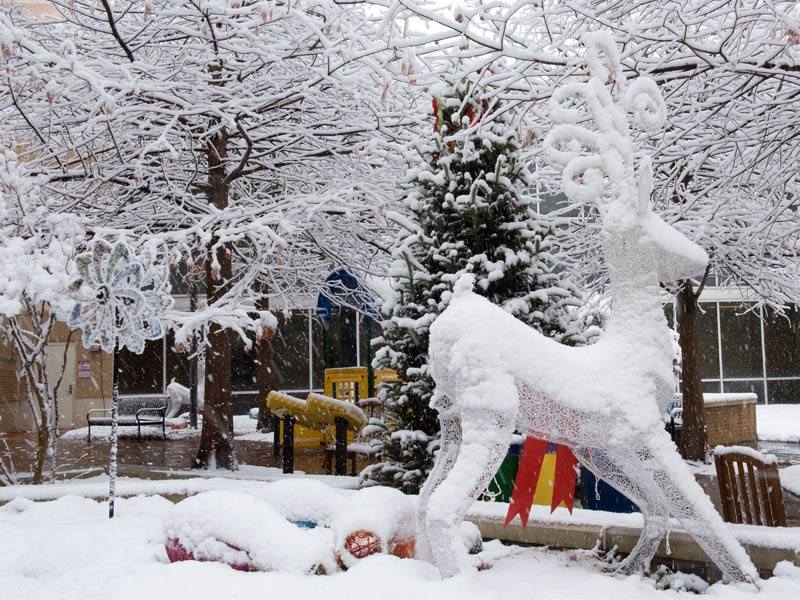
494	374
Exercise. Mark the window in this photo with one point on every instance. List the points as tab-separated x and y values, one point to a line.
762	358
142	373
782	336
317	354
244	365
707	338
177	363
290	359
755	386
294	360
341	339
369	330
741	348
784	391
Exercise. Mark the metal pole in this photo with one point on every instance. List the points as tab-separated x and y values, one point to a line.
288	444
341	446
193	361
276	436
112	467
358	339
370	370
310	318
326	351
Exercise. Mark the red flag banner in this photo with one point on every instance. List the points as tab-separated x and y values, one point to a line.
564	480
530	465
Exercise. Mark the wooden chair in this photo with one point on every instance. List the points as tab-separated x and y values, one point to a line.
750	487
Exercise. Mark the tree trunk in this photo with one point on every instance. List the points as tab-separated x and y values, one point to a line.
31	350
36	381
266	378
694	436
217	449
43	445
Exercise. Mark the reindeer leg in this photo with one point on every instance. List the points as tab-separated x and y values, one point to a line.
486	436
693	508
450	445
635	482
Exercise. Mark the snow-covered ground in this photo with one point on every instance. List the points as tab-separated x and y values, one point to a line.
247	479
790	479
778	423
63	546
68	549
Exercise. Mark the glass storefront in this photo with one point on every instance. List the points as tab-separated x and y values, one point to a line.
299	355
758	355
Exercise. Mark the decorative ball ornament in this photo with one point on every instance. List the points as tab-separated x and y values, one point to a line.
361	544
118	298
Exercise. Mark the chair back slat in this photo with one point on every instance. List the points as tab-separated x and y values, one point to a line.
744	497
731	511
775	495
749	487
757	498
763	486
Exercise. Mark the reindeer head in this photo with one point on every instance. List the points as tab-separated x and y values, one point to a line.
591	144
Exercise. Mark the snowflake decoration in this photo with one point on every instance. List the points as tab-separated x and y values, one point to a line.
118	298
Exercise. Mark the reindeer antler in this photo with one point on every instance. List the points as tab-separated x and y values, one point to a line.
598	162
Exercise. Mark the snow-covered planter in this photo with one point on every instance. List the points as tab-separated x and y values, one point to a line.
372	521
246	533
304	502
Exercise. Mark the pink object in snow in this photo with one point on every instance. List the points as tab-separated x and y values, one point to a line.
176	552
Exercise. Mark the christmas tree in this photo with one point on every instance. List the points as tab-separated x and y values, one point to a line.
465	214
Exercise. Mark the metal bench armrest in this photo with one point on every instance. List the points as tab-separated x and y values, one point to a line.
97	410
156	410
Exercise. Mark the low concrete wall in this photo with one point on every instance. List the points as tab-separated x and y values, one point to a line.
684	552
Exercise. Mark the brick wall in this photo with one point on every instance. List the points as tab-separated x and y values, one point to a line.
731	423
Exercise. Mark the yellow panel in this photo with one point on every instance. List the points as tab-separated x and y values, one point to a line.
345	378
314	418
386	376
544	488
283	404
313	438
308	438
322	409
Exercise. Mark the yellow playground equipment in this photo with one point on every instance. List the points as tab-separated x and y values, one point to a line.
330	420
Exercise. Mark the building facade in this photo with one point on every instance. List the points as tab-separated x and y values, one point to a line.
83	379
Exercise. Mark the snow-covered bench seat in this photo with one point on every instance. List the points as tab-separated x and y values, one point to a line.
134	411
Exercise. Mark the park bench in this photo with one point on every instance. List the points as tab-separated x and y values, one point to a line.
133	412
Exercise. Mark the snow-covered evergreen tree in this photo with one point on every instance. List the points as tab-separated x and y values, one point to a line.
465	215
